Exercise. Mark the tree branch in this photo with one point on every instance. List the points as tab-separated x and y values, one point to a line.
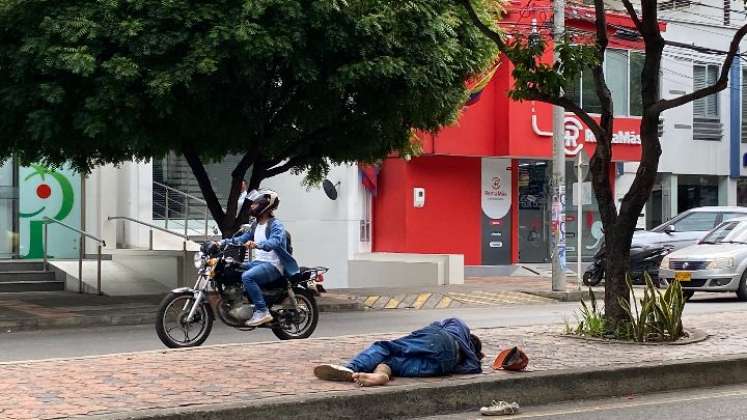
633	14
289	164
721	83
203	180
494	36
237	175
571	106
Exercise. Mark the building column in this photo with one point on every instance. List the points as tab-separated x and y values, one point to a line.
727	191
669	206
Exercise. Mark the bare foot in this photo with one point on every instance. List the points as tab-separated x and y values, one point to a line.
370	379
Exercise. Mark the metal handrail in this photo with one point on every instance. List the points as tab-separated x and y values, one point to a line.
185	203
100	243
152	226
200	200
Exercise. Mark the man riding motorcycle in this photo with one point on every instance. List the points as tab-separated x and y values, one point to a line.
272	258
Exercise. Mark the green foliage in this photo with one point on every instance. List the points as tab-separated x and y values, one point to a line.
659	317
533	77
323	81
591	321
655	317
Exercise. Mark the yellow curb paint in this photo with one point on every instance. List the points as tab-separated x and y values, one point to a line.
370	300
420	301
392	304
445	302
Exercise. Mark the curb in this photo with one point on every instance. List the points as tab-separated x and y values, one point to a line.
139	317
567	296
528	388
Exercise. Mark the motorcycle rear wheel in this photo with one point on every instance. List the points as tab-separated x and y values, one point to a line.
291	326
590	280
171	326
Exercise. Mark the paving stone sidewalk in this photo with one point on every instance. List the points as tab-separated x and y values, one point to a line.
127	383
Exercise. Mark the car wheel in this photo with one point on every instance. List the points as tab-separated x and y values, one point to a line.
742	288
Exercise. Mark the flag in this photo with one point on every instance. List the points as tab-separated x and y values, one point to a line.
477	84
369	174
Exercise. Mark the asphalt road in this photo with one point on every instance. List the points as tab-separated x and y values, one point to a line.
34	345
693	404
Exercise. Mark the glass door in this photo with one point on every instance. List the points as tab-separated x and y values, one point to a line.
534	231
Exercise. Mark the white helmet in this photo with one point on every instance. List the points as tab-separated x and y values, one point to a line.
267	199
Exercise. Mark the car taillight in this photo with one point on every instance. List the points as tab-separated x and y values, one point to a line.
319	278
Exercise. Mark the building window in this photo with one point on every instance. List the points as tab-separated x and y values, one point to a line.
622	70
705	75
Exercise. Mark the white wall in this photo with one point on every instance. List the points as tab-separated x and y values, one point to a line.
325	232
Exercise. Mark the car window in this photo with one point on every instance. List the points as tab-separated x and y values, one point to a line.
728	216
696	222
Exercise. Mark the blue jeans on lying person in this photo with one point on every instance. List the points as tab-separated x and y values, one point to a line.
430	351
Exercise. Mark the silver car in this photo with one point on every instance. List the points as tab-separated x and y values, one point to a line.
717	263
687	227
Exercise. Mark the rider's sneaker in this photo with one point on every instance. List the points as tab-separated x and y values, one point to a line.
333	373
259	318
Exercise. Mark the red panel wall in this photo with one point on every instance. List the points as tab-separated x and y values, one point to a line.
450	220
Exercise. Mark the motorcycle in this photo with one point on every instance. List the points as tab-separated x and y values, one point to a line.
185	317
642	260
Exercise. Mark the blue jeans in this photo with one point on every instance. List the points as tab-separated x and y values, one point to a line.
257	274
430	351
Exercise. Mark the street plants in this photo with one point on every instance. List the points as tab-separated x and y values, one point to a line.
537	80
287	85
655	317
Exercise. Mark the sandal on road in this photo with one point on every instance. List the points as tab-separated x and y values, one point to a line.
500	408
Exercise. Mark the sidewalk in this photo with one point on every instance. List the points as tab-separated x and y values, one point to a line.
275	380
46	310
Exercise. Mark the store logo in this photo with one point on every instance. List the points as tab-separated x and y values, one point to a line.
496	188
39	180
574	129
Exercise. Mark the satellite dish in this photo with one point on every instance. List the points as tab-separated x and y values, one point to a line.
330	189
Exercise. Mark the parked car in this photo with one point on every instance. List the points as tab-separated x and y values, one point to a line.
687	227
717	263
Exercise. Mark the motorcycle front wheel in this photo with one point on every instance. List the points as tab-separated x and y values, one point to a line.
171	322
292	325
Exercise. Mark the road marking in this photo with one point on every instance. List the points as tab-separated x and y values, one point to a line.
371	300
392	304
420	301
444	303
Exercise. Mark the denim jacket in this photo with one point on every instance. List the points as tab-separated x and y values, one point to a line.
276	241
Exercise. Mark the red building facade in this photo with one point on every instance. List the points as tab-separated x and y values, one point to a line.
480	186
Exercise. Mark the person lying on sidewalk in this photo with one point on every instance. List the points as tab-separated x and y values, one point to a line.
440	349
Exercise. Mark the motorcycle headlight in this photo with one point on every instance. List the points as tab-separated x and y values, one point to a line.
664	263
198	259
725	263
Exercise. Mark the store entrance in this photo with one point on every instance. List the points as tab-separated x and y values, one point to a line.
534	226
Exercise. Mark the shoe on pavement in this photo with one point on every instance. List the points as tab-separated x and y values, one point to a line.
333	373
500	408
259	318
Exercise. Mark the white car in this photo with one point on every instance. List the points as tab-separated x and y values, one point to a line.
716	263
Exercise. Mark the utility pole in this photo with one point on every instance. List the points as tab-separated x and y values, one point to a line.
558	167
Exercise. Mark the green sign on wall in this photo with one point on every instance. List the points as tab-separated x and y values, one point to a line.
53	193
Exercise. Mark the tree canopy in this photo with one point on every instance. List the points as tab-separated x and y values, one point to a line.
288	84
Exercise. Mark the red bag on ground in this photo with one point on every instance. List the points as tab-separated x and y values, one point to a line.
511	359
